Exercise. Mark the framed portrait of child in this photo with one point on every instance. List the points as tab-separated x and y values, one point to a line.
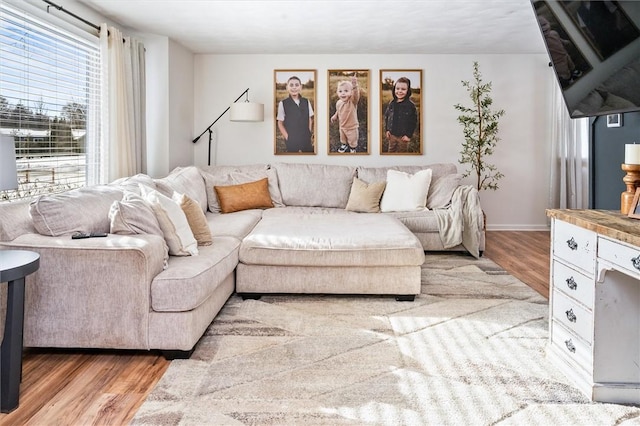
295	112
400	112
348	118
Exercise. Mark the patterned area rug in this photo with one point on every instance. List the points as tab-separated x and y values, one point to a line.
470	350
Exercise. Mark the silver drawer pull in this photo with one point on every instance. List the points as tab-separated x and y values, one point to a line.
571	243
635	261
571	316
569	344
571	283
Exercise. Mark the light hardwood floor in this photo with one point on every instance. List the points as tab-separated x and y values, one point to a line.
68	387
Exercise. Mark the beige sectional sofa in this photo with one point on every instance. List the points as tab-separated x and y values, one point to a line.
124	291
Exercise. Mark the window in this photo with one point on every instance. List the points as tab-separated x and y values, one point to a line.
49	103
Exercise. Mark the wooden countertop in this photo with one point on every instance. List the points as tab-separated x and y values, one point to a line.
609	223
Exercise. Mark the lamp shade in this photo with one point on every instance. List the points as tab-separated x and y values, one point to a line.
247	111
8	170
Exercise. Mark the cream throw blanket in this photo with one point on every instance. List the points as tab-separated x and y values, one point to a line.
461	223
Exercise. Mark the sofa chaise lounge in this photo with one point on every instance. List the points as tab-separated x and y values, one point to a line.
126	292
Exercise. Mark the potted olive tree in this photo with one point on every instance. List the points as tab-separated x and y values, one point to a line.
480	129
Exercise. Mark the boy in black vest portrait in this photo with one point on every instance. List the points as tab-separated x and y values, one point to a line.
295	118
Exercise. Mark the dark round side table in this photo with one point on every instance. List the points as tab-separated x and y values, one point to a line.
15	265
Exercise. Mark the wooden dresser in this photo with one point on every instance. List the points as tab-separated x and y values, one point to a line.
594	299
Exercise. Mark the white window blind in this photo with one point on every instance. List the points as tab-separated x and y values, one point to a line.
49	103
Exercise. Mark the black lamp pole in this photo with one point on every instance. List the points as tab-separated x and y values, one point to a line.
208	129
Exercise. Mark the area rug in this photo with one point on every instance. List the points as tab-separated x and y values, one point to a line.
470	350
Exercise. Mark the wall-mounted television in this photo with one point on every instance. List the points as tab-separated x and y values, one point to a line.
594	48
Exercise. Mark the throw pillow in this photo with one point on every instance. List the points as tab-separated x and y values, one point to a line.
441	191
173	222
133	215
252	195
224	177
196	219
405	192
364	197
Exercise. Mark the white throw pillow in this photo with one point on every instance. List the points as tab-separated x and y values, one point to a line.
173	222
405	192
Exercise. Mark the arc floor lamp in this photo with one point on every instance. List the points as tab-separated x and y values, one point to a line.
240	111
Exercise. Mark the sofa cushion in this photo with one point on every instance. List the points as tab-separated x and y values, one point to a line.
195	217
365	197
418	222
375	174
237	224
245	196
405	192
362	239
79	210
314	185
189	281
225	176
184	180
132	183
173	223
441	190
15	220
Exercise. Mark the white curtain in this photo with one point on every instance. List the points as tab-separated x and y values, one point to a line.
569	158
123	104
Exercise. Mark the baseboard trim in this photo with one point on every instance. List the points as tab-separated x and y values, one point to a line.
518	228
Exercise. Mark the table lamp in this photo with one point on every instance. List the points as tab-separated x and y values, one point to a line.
8	169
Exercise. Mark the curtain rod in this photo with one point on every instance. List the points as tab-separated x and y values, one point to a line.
62	9
79	18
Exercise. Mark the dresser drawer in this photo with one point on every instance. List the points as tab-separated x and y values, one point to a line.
571	346
573	316
575	245
573	283
627	258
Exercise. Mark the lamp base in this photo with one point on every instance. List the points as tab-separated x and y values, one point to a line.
632	181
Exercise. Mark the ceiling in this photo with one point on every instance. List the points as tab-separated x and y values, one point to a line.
334	26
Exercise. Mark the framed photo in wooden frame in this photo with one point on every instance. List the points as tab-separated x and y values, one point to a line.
634	210
401	112
294	112
348	105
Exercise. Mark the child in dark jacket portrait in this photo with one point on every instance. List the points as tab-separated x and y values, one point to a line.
400	117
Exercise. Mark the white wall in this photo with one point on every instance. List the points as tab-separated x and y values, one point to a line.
157	76
521	86
180	105
169	104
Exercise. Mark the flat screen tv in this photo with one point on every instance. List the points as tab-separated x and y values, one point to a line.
594	48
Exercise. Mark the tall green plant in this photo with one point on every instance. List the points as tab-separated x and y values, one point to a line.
480	129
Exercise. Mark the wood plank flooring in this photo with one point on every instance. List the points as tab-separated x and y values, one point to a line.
91	387
524	254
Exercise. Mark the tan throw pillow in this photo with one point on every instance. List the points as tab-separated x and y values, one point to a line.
251	195
196	218
364	197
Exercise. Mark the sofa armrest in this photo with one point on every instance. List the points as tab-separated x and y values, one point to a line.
90	293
